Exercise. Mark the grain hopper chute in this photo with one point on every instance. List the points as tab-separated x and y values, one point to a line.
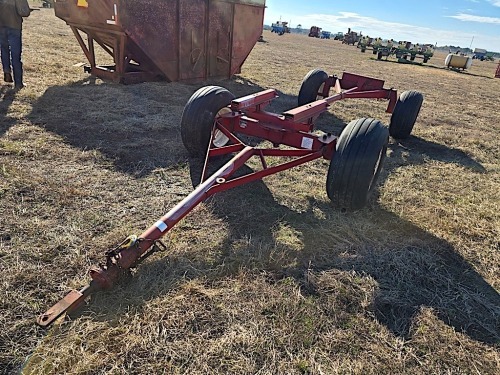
173	40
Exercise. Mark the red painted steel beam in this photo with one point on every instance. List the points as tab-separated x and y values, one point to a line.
279	135
388	94
311	110
218	182
273	128
231	149
162	226
274	122
254	176
307	111
253	100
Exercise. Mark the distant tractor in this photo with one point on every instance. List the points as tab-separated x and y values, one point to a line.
407	50
383	47
365	42
351	38
427	51
325	34
479	54
47	3
280	28
315	32
338	36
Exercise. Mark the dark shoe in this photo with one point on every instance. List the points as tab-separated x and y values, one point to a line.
7	77
20	86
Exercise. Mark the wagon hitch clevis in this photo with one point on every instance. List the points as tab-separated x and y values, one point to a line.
119	261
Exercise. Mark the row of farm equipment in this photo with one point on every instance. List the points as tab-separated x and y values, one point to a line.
408	52
381	47
401	50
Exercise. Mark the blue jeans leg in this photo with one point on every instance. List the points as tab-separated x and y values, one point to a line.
11	48
15	43
5	50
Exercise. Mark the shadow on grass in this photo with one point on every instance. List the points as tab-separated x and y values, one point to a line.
134	127
7	95
413	268
416	150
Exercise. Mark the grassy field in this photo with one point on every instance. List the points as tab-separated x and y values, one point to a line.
267	278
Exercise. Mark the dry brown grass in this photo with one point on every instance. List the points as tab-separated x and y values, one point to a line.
267	278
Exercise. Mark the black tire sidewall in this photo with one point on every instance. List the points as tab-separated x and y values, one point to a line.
353	170
310	86
198	117
405	114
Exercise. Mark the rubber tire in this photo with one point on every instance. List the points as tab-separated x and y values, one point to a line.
355	166
379	56
198	117
311	83
405	114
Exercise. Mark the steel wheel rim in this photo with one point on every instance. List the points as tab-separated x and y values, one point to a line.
219	138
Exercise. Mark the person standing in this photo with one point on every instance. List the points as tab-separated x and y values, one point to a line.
11	24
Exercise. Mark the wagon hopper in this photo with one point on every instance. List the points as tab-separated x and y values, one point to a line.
173	40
